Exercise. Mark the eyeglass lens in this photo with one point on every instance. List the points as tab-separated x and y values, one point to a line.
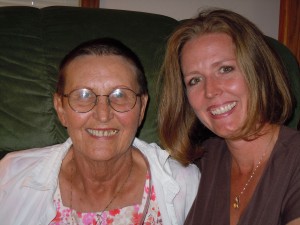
84	100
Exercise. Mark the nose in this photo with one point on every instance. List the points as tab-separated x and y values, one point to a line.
212	87
102	109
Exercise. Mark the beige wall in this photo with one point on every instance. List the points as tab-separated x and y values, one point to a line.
39	3
264	13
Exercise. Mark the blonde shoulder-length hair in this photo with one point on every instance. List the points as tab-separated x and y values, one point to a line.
270	99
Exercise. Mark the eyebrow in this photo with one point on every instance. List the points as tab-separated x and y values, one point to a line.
223	61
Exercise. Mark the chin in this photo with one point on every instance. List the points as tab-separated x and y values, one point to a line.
226	134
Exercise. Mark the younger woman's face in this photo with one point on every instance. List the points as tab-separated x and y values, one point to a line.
216	86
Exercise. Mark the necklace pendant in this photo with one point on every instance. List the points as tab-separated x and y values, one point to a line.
236	203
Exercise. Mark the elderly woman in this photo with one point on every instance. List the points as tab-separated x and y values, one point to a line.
220	73
102	174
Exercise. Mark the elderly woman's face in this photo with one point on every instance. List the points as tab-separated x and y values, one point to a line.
101	133
216	86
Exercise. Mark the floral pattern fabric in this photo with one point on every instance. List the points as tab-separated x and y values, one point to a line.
129	215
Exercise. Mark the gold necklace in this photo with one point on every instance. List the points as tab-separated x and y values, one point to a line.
99	216
237	199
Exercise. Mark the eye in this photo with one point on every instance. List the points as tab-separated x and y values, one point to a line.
194	81
118	93
85	94
226	69
82	95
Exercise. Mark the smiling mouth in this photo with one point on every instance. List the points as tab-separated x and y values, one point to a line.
102	133
223	109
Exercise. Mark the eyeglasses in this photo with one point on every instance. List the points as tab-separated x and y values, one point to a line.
84	100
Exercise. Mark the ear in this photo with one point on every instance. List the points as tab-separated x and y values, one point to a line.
144	101
58	105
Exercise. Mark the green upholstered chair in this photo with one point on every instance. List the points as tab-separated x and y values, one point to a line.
32	43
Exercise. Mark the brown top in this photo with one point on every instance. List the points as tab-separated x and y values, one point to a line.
276	200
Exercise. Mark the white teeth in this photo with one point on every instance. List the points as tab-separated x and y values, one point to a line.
102	133
223	109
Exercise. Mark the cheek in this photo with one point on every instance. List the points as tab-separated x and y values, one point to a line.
129	119
130	122
194	98
198	105
75	120
237	85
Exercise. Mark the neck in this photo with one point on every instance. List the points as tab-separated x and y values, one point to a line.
92	191
95	175
247	154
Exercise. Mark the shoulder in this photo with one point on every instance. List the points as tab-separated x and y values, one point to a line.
288	144
32	155
21	162
152	151
287	149
285	167
213	150
289	137
189	172
160	158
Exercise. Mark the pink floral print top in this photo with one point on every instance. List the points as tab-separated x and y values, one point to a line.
129	215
